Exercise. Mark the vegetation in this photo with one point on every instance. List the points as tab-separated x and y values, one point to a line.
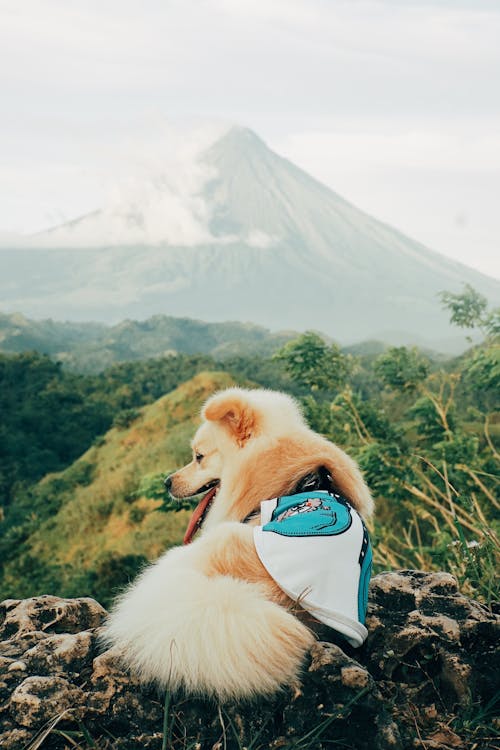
425	438
51	416
48	419
83	456
88	529
93	347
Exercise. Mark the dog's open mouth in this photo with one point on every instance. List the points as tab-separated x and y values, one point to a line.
201	509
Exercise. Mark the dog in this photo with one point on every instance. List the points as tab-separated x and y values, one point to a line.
208	618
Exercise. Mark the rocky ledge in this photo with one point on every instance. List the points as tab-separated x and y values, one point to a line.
425	678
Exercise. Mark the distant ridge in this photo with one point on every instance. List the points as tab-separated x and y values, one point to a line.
243	234
91	347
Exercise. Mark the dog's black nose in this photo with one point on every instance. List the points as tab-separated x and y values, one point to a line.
168	482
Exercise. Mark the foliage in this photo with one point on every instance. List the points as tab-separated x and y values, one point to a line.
51	416
92	347
312	363
467	308
425	439
125	417
402	368
83	530
425	433
48	419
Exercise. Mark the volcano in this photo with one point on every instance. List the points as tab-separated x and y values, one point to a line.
242	234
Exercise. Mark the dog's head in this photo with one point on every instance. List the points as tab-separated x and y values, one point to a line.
254	445
232	421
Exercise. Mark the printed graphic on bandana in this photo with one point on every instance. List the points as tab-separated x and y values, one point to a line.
313	513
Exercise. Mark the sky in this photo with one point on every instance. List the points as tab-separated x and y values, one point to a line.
394	104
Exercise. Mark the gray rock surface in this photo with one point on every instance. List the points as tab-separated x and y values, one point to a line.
425	677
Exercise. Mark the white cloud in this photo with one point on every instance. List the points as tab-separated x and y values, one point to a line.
79	78
474	147
262	240
156	196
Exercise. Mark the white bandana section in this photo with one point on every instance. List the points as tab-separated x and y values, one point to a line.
316	548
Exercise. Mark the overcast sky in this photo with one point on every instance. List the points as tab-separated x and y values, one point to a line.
395	104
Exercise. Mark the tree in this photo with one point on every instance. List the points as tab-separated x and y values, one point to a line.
312	363
469	309
402	368
481	371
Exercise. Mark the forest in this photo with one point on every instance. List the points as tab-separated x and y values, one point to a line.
83	455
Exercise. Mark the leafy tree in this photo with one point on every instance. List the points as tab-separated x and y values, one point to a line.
467	308
402	368
312	363
481	376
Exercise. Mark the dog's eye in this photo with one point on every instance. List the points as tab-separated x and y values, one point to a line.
198	457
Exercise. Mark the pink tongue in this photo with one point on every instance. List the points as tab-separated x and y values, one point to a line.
197	518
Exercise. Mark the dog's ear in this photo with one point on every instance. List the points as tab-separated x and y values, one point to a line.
232	409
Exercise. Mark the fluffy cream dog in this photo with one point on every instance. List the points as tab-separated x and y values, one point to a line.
207	617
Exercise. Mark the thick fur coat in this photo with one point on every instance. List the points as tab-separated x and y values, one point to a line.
207	618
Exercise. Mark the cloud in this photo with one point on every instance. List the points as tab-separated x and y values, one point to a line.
471	146
78	78
261	240
156	196
218	55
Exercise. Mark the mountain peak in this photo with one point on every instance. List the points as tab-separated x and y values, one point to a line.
236	145
242	137
268	242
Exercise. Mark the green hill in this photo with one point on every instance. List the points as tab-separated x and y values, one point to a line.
91	347
50	416
425	436
89	528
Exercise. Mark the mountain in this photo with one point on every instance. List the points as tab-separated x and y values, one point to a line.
20	334
242	234
91	347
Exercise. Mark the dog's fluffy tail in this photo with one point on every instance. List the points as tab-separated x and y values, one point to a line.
217	636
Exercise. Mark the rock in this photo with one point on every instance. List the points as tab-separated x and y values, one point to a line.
17	666
431	656
40	699
60	653
15	739
49	614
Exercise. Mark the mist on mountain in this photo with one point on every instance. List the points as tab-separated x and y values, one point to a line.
235	232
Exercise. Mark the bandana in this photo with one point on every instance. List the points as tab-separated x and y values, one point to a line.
316	547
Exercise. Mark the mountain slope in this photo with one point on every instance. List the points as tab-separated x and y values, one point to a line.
249	237
95	520
90	347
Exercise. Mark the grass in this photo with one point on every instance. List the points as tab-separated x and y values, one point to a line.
103	515
476	726
108	506
230	738
168	721
464	542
